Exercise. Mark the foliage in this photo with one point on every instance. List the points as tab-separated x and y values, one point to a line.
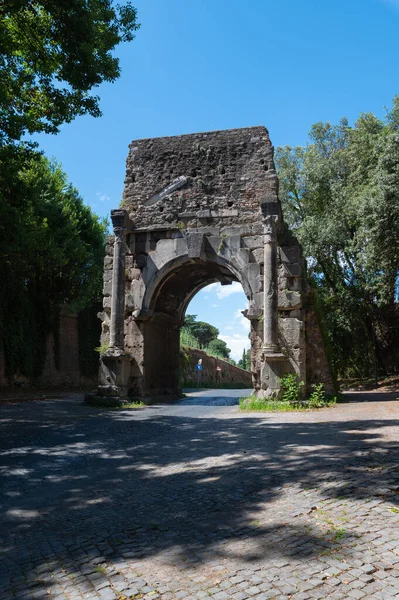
317	399
187	338
134	403
102	348
51	254
245	361
291	387
52	56
264	405
219	348
203	332
340	194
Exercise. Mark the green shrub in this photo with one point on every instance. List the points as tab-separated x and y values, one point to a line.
318	397
291	387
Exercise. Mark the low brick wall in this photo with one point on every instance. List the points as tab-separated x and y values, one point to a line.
67	370
229	374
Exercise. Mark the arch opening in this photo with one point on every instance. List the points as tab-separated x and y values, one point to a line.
165	310
226	352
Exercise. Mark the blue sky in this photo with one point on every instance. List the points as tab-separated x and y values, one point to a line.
199	65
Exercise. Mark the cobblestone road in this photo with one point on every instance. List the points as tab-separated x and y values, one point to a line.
195	501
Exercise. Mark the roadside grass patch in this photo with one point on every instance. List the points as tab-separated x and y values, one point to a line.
133	404
292	397
258	404
317	399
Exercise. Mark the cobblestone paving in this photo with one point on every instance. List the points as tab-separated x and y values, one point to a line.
194	502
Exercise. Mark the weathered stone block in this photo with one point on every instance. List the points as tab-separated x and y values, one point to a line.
214	244
252	241
291	269
253	274
292	334
108	262
241	258
288	300
258	254
195	244
107	275
107	288
290	254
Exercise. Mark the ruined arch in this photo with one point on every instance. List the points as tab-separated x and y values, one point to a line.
201	208
191	275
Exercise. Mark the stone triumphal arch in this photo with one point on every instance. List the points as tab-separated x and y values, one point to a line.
198	209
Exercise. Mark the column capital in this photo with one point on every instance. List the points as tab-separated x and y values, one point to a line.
119	218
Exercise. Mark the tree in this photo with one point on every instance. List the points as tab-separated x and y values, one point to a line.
51	254
245	361
203	332
219	347
189	321
52	55
340	194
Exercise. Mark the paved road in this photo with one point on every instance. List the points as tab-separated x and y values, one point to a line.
198	500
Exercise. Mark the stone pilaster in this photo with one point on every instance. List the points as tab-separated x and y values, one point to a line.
270	295
116	337
273	361
115	364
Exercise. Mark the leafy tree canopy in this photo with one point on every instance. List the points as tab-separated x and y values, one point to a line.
340	194
203	332
52	55
51	253
219	347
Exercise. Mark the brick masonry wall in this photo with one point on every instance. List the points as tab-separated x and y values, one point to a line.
68	373
219	175
230	374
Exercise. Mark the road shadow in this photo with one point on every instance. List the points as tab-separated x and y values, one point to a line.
138	484
368	396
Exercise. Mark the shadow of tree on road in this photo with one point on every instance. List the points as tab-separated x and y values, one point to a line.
78	482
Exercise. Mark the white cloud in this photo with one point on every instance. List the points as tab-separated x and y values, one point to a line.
236	343
215	305
239	340
223	291
103	197
241	320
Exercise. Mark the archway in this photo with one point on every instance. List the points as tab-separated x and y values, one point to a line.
216	332
164	305
197	209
